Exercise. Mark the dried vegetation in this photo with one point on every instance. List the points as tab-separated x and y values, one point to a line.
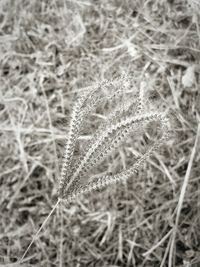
48	51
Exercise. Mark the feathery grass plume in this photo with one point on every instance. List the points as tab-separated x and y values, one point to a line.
126	118
83	106
131	114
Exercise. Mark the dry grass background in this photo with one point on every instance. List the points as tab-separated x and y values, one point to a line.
50	49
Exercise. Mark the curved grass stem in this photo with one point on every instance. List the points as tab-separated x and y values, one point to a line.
39	230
